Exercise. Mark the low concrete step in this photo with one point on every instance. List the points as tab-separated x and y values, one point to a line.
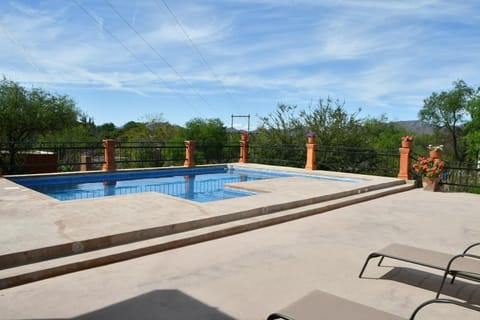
23	274
34	255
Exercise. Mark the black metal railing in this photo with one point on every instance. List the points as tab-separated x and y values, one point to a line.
72	156
211	152
32	157
149	154
283	155
415	176
330	158
461	177
358	160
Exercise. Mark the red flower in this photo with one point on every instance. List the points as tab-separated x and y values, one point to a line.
429	167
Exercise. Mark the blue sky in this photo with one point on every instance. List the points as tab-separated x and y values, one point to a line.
137	59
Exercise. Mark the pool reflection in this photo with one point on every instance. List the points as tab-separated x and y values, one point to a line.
109	187
189	186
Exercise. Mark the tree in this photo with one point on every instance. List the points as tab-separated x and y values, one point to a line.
154	130
333	124
25	114
473	127
337	133
280	129
381	134
133	131
283	126
447	110
211	137
152	138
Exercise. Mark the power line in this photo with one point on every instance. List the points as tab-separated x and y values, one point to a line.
132	53
194	46
159	55
26	54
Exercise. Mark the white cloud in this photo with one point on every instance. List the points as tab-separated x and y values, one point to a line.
378	53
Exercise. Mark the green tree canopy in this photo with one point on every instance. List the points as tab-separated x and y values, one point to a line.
282	127
107	131
379	133
211	137
204	130
24	113
447	110
83	131
28	113
334	127
154	129
473	127
333	124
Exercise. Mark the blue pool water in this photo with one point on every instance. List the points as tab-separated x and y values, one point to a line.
197	184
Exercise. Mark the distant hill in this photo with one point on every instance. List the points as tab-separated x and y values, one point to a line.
417	127
233	131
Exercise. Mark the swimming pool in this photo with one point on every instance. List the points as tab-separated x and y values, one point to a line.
196	184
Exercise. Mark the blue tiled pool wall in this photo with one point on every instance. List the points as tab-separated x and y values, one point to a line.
201	184
195	184
115	176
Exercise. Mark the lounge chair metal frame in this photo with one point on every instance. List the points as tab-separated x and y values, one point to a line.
448	269
378	313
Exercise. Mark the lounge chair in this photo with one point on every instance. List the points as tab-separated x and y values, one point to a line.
465	265
321	305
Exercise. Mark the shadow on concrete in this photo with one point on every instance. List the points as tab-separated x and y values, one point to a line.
460	289
158	304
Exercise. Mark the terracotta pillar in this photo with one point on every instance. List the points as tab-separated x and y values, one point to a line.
311	163
109	155
404	170
86	162
435	154
244	148
189	153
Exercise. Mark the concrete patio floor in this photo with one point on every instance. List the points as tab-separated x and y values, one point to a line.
249	275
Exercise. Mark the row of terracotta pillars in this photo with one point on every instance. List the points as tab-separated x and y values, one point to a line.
109	154
404	167
404	170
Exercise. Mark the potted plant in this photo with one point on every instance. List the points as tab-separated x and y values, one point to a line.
311	135
435	151
431	170
407	141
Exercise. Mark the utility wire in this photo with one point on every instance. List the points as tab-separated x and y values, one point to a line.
132	53
159	55
26	54
195	47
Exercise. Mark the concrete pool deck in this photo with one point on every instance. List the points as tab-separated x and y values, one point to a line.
29	219
244	276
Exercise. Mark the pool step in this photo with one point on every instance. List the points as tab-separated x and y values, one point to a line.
26	273
91	244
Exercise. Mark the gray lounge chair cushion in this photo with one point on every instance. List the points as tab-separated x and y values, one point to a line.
321	305
429	258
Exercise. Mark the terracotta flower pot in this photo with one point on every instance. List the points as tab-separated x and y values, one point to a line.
311	140
431	184
435	154
407	144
